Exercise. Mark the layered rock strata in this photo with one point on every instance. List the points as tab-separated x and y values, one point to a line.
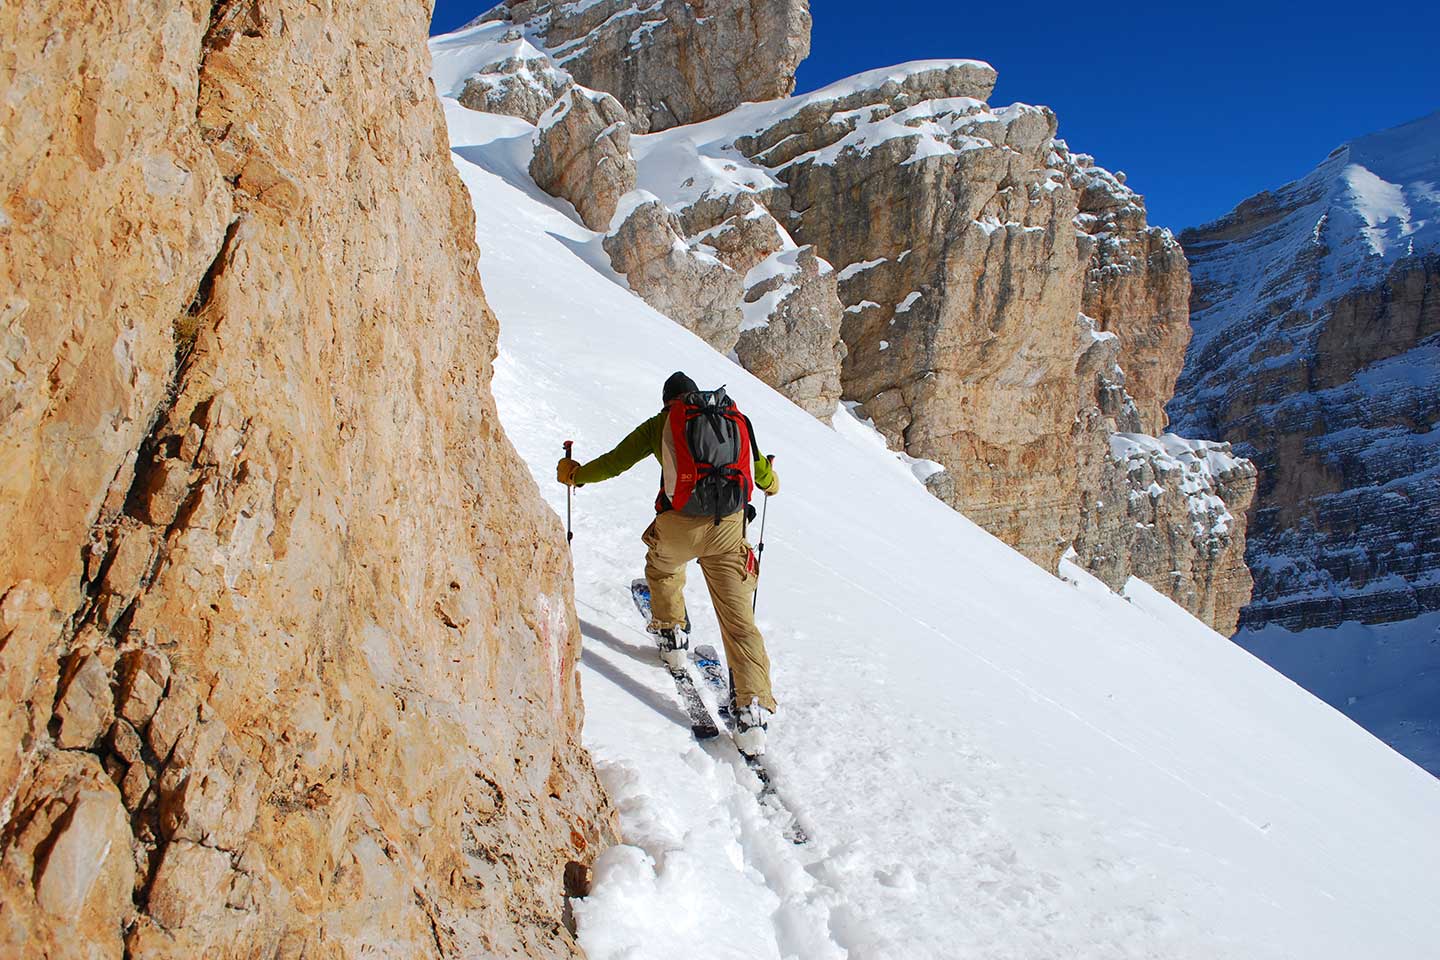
274	683
1316	310
672	62
1338	407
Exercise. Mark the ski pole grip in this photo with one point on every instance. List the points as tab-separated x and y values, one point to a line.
569	444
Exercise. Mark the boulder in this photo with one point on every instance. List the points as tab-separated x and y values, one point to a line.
791	335
86	706
1172	512
520	81
582	154
685	281
69	835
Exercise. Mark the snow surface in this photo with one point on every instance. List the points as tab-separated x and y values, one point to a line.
992	762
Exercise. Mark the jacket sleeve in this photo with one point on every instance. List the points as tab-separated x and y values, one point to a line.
639	444
764	475
762	472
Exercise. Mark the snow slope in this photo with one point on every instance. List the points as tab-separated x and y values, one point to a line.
992	762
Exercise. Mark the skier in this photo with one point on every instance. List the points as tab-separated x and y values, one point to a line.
709	462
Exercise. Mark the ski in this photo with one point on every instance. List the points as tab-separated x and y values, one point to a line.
717	678
702	725
707	663
768	795
770	798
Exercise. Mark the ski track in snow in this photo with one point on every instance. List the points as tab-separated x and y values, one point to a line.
991	762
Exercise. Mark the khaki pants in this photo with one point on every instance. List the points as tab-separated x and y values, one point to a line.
674	540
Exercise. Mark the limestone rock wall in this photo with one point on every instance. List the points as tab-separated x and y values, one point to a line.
1137	286
677	61
276	683
960	332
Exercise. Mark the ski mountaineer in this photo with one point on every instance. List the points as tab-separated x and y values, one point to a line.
709	463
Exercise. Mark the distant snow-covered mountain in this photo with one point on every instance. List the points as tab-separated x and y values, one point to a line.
1372	202
1316	351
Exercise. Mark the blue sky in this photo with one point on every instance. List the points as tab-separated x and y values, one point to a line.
1202	105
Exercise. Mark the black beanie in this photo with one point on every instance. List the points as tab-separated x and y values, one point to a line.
678	385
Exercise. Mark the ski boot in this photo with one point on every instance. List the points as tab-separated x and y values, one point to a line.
674	648
751	723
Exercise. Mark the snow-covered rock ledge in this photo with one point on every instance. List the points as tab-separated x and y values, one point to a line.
1171	511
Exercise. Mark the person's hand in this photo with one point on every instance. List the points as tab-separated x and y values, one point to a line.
565	471
774	487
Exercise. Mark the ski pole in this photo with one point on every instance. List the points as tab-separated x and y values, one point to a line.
760	548
569	496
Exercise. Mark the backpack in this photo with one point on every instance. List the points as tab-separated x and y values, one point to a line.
706	452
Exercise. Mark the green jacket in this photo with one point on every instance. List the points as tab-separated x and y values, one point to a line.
645	440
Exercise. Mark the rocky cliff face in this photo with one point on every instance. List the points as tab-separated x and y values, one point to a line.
274	683
992	301
1137	286
676	61
1166	510
718	264
967	330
